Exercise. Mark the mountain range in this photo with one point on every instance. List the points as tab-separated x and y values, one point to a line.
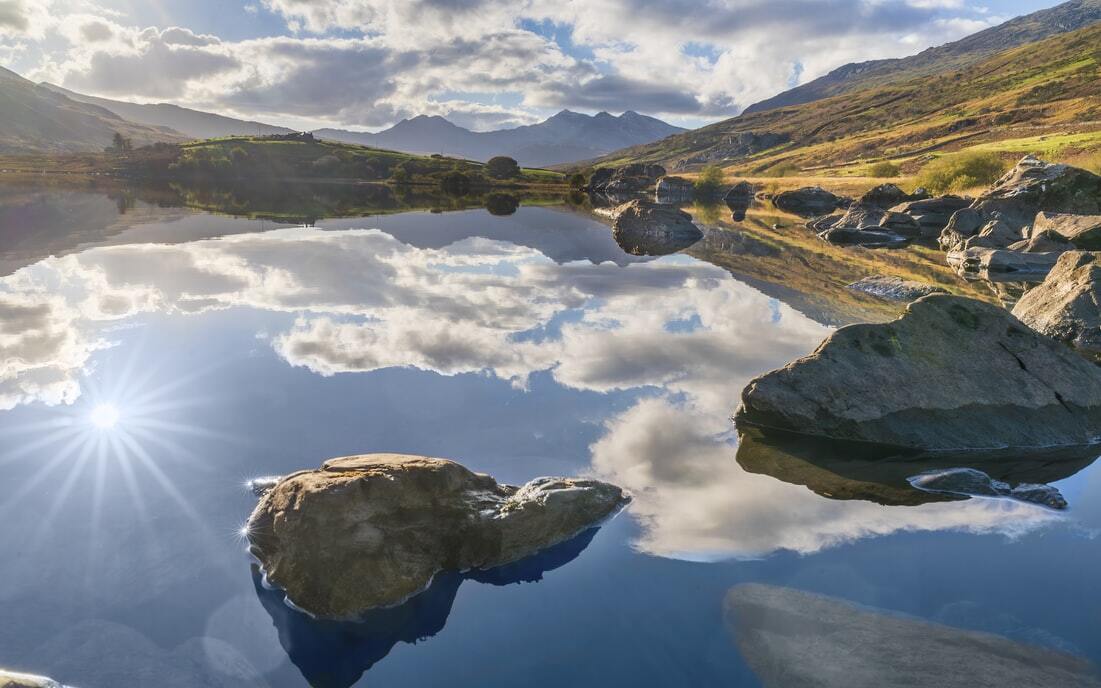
565	137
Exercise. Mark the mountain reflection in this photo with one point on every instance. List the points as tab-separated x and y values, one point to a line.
850	470
335	654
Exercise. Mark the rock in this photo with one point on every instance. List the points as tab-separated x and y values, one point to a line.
868	238
1067	306
1034	186
901	224
370	531
626	180
643	228
951	373
920	193
600	178
10	679
884	196
796	639
995	234
861	217
674	190
961	226
932	214
807	202
975	483
1044	242
892	288
1083	231
738	199
264	485
977	261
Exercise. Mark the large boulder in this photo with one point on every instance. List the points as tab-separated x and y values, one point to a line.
796	639
994	234
1042	242
1083	231
369	531
643	228
739	198
674	190
1034	186
932	214
951	373
1067	306
629	179
1029	266
9	679
884	196
807	202
963	225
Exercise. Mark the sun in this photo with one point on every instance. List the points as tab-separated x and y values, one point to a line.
104	416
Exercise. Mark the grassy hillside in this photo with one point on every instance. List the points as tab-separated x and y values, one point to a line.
37	120
1040	97
1069	16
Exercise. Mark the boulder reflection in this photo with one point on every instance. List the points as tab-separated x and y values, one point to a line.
880	474
335	654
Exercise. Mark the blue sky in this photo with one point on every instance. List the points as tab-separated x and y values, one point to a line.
365	64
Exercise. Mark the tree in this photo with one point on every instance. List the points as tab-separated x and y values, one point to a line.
399	174
502	167
120	143
577	180
710	182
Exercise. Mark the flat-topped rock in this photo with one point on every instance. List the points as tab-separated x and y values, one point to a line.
370	531
643	228
807	202
1067	305
951	373
10	679
1083	231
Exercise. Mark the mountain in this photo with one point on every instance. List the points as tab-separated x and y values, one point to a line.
1042	97
1063	18
565	137
34	119
191	123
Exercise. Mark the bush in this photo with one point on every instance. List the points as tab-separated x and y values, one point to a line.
502	167
884	169
577	180
710	182
782	169
962	171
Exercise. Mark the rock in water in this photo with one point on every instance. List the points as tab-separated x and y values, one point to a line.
1067	306
643	228
738	199
808	202
675	190
975	483
369	531
893	288
951	373
12	680
796	639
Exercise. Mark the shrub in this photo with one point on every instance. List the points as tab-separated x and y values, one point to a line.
577	180
884	169
710	182
962	171
782	169
502	167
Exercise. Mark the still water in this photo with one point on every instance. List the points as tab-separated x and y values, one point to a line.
154	358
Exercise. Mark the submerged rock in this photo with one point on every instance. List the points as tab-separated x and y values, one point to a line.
975	483
1067	305
370	531
10	679
892	288
642	228
807	202
796	639
951	373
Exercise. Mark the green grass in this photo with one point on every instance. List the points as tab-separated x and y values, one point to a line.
962	171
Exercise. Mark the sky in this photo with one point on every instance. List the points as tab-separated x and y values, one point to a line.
483	64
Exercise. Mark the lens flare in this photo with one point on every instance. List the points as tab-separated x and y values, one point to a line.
104	416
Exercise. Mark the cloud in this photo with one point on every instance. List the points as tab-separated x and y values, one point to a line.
13	16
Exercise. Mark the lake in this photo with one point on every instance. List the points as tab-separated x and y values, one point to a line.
158	350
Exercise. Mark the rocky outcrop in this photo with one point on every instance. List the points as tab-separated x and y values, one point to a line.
642	228
932	214
1044	242
674	190
738	199
984	262
994	234
1034	186
10	679
735	145
951	373
885	196
796	639
1067	306
807	202
892	288
963	225
370	531
629	179
1081	231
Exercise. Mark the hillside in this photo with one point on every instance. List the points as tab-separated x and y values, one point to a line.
1064	18
565	137
191	123
34	119
1042	97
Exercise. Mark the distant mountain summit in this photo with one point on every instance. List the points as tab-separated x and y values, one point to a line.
34	119
565	137
191	123
1064	18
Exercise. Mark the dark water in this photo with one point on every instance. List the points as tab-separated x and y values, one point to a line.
521	345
